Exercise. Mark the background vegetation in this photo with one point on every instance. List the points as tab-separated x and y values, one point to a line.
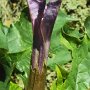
69	56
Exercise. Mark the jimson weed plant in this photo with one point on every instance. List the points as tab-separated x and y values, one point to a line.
43	17
25	42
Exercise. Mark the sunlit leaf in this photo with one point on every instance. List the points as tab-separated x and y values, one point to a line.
53	86
14	86
19	36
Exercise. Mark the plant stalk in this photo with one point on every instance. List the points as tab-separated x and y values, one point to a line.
43	18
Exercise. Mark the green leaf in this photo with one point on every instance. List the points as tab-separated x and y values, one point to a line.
88	43
15	42
87	26
4	86
23	65
63	71
6	70
59	75
61	20
14	86
60	55
7	66
3	39
59	78
24	61
57	84
20	36
72	34
78	78
65	42
25	29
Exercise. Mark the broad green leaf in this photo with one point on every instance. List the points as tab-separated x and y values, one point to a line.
72	33
20	36
78	78
85	45
60	55
15	42
25	29
14	86
87	26
24	61
3	39
23	65
61	20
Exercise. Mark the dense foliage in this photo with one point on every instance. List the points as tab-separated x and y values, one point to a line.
69	55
